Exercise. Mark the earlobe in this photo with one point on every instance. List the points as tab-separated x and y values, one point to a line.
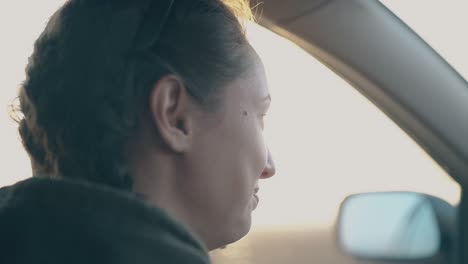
170	113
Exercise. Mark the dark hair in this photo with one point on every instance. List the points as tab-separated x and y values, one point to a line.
88	82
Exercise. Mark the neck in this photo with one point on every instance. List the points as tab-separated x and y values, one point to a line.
157	180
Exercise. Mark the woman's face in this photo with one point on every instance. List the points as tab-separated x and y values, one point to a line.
228	158
203	166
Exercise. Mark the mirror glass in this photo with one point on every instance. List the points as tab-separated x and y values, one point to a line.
389	226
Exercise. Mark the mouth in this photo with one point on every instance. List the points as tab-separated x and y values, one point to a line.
256	198
255	201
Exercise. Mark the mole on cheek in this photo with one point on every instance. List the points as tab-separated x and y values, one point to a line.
245	113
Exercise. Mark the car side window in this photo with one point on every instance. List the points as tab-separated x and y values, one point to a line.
328	142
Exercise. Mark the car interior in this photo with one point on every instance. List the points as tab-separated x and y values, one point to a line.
387	188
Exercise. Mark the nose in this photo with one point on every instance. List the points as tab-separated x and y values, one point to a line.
270	169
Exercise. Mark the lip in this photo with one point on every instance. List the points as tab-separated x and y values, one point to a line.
256	197
257	200
256	190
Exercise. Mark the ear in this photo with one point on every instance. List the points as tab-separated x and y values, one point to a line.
170	106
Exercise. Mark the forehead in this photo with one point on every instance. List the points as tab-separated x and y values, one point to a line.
251	87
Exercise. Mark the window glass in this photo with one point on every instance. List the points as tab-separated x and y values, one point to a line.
21	22
328	142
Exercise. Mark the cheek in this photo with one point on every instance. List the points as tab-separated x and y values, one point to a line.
226	163
247	160
216	170
255	148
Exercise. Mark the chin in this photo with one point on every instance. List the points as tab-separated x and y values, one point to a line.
234	233
242	229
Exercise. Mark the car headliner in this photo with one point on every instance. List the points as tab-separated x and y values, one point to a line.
363	42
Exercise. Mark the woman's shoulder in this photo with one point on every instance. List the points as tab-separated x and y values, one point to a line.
52	219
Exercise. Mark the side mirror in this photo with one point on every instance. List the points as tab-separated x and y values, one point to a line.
390	226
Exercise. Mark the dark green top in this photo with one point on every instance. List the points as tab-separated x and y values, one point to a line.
63	221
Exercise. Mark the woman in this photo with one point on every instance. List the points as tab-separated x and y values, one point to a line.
143	121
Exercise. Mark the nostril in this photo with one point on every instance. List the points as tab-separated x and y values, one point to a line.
270	169
268	172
